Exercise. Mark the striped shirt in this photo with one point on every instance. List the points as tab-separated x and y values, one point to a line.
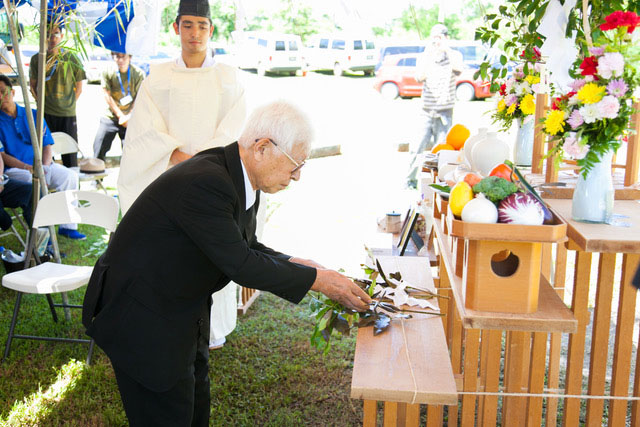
439	86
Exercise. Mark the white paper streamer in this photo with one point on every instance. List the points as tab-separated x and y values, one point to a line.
560	51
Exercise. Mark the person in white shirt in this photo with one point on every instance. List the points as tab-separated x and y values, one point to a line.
184	107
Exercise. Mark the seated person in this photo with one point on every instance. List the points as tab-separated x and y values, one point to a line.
14	194
17	152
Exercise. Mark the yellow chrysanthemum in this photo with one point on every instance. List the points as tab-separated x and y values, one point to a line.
554	123
501	105
512	108
528	105
591	93
532	80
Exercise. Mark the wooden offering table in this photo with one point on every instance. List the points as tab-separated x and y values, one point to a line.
500	357
614	246
406	365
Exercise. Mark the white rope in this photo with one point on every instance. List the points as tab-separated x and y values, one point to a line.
413	377
406	349
549	395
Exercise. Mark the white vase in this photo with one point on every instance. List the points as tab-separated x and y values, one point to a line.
593	196
523	148
489	152
467	149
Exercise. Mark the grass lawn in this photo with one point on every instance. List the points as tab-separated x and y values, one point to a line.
266	374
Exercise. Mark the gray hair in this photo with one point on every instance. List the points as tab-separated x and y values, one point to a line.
283	122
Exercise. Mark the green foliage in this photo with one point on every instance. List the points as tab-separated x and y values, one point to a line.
420	21
495	188
513	28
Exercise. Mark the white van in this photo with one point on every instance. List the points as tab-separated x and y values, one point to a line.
269	52
340	53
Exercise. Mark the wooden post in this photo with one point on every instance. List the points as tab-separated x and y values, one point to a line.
633	149
472	341
600	337
623	344
542	99
575	359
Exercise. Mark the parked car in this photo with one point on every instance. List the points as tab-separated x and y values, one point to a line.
222	54
399	48
268	52
397	77
340	53
96	65
144	62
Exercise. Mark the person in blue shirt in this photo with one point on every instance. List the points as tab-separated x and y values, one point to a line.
17	152
13	194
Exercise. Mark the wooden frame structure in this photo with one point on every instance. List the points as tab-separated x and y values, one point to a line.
508	366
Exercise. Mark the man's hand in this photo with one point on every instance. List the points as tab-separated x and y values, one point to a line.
178	156
340	289
124	119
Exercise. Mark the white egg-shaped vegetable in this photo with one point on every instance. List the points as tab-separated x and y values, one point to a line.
480	210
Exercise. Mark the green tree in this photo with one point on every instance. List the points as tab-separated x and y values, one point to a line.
420	21
223	16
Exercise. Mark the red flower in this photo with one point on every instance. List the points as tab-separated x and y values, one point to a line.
555	105
621	19
533	54
589	66
503	89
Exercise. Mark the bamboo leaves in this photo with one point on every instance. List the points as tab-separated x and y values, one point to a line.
333	317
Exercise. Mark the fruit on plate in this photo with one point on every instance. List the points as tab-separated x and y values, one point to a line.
480	210
502	171
457	136
472	179
440	147
460	195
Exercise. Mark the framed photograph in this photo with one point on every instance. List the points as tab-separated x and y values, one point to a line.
407	230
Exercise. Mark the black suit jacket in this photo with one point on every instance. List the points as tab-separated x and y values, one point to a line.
185	237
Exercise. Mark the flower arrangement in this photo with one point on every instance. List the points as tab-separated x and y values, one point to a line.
517	94
593	117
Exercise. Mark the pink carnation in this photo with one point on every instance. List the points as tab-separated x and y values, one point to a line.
510	99
577	84
573	148
575	119
611	64
617	88
596	51
609	107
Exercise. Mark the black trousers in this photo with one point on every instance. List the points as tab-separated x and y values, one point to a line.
69	126
185	404
104	137
15	194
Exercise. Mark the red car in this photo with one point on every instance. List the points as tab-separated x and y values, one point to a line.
396	77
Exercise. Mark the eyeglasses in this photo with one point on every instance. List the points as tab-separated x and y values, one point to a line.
298	165
118	56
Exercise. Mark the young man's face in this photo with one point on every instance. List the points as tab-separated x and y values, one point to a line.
55	38
122	60
194	32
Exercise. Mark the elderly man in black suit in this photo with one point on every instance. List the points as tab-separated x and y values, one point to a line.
189	233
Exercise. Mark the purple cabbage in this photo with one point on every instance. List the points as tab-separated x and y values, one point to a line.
521	208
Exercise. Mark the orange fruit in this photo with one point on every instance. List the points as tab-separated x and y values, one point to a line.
440	147
457	136
472	179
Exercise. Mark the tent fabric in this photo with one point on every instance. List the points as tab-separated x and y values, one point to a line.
111	24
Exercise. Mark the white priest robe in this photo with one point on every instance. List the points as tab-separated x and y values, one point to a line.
192	109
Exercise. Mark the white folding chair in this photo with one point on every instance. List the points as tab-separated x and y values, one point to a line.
71	206
63	143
